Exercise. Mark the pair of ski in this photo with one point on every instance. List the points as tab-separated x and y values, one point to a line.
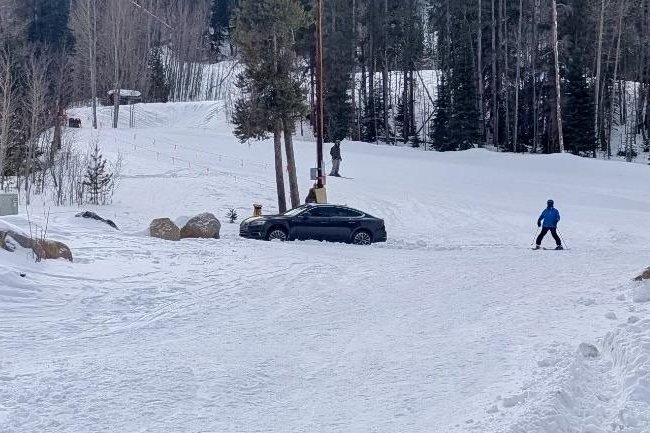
549	249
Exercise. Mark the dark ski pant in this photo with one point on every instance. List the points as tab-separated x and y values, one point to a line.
553	231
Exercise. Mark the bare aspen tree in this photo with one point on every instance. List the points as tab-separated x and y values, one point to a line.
116	20
8	83
534	80
353	87
495	100
384	74
599	58
481	85
616	62
518	77
37	84
558	90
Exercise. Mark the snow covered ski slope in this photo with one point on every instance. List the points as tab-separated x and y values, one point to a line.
454	325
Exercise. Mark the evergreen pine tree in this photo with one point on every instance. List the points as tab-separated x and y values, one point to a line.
49	24
440	131
98	181
272	97
221	14
578	115
158	85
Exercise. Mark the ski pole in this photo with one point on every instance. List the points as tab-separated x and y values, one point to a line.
535	238
562	239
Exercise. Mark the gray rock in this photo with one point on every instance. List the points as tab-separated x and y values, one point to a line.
588	350
94	216
204	226
164	228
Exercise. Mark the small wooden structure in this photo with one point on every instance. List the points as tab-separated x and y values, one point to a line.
127	97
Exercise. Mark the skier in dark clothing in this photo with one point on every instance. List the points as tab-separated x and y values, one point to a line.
548	222
335	152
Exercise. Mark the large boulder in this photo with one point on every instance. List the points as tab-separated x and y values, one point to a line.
164	228
43	249
51	250
204	226
94	216
644	276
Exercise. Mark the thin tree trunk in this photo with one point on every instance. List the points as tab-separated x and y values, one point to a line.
534	79
558	92
279	169
518	78
384	73
495	101
481	85
116	66
92	47
277	144
294	192
599	56
373	69
618	53
355	115
506	68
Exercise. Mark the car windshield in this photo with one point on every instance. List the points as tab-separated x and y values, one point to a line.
296	211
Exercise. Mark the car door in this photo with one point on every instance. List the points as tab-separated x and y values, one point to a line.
320	223
350	221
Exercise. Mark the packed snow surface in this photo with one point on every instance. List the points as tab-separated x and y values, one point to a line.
453	325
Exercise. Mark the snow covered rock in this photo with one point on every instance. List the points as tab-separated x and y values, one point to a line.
94	216
43	248
588	350
51	250
164	228
10	240
644	276
205	226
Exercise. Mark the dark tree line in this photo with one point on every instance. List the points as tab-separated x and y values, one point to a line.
524	76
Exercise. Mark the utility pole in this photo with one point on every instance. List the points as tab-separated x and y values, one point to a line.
320	112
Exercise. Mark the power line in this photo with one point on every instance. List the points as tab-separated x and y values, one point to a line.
154	16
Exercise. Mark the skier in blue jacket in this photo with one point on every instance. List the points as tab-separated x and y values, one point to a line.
548	222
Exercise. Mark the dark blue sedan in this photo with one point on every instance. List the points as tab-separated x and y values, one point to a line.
317	222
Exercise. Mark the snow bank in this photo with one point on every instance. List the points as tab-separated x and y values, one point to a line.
628	349
641	292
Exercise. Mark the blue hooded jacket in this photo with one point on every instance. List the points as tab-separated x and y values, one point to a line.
550	216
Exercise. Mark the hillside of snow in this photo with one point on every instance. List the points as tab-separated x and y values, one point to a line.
453	325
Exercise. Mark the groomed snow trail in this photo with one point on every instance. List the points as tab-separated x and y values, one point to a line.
454	325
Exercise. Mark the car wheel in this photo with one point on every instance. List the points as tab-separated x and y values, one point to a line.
362	237
277	234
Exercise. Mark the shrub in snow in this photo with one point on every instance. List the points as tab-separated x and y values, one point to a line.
232	215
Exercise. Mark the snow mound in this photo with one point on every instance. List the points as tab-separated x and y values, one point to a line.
641	292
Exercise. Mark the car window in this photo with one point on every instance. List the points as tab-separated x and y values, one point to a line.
296	211
323	212
349	213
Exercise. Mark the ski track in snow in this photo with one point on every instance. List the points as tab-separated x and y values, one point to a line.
453	325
